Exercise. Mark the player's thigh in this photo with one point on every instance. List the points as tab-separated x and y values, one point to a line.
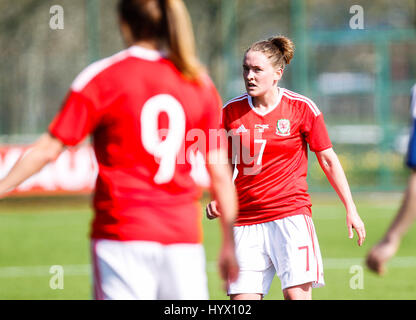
125	270
184	273
256	269
294	250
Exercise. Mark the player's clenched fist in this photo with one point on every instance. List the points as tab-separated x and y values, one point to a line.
212	210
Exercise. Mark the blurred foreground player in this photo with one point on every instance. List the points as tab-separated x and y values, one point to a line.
139	105
382	252
271	129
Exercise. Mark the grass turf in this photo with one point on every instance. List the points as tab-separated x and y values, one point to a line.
34	235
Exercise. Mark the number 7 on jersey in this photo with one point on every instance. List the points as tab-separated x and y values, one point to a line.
262	147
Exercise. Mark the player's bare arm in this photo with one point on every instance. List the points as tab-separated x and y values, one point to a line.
223	190
388	245
43	151
407	212
332	168
212	210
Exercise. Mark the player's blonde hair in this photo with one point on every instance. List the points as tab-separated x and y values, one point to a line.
167	21
278	49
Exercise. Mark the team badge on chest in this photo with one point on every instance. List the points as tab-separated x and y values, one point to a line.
283	127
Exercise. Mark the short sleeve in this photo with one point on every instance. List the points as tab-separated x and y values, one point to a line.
75	120
223	119
413	102
315	131
411	151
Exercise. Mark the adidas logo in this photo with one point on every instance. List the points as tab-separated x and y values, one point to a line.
241	129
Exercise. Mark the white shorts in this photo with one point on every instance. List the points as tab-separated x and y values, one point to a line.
142	270
287	247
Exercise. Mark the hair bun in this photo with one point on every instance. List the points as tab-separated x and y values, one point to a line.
285	46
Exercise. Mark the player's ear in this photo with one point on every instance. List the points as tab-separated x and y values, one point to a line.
126	33
278	74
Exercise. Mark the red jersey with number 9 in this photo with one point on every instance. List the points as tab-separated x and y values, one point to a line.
140	111
270	154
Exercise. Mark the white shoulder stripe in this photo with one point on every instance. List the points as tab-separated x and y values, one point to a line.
95	68
309	102
314	109
239	98
294	94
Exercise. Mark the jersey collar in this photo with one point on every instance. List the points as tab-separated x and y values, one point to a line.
144	53
279	98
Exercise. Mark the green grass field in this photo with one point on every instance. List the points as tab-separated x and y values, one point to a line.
34	235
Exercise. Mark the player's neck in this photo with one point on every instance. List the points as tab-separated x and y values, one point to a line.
147	44
266	101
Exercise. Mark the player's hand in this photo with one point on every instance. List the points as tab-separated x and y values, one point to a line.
228	264
354	222
380	254
212	210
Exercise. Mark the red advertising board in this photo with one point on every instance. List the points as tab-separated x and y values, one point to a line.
74	172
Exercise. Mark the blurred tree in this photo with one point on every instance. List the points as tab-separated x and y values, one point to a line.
38	64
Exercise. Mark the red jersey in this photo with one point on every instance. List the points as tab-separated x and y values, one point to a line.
139	110
270	155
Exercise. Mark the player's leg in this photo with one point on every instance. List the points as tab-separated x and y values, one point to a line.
184	273
299	292
294	250
125	270
256	269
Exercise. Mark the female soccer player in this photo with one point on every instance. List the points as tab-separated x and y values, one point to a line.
270	128
139	105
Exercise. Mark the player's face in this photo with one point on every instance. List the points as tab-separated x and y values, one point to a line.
260	77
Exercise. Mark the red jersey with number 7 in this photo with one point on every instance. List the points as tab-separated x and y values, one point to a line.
270	154
140	110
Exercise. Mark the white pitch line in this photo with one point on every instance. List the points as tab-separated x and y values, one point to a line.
43	271
85	269
346	263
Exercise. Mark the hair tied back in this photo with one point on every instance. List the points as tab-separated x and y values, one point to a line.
285	46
